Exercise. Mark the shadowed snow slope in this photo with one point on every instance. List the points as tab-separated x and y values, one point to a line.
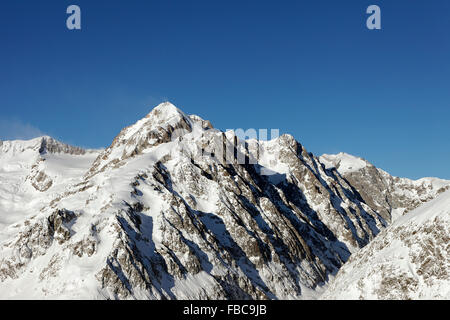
408	260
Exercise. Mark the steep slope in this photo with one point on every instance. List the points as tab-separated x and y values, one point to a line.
33	172
408	260
390	196
170	211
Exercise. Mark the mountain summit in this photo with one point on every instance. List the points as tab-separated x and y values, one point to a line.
151	217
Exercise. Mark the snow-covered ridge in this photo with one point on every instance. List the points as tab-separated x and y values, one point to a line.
346	163
162	125
408	260
33	172
343	162
390	196
40	145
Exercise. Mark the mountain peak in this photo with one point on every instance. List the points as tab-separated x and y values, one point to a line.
165	111
163	116
163	124
48	144
167	105
344	162
42	145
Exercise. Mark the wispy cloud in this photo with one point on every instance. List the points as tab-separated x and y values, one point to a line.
13	129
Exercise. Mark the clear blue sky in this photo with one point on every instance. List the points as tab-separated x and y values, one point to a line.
310	68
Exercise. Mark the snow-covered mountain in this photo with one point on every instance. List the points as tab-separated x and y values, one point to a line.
34	172
390	196
408	260
170	210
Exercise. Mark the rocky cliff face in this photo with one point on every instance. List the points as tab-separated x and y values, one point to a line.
390	196
408	260
175	209
41	145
